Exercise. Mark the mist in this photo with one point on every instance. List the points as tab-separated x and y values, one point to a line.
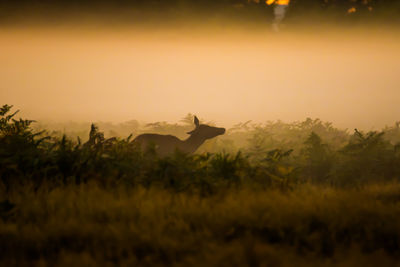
226	75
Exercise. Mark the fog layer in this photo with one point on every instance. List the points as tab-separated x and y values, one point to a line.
348	77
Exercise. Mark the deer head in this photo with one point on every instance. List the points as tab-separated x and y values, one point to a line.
205	131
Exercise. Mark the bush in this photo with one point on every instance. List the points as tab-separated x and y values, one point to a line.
37	158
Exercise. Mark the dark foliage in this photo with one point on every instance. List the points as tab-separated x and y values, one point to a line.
104	202
339	10
37	158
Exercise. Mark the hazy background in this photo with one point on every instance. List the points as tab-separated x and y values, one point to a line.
223	73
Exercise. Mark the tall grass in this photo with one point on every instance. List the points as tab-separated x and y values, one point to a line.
302	194
311	225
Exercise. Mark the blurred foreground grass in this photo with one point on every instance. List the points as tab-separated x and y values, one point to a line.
307	226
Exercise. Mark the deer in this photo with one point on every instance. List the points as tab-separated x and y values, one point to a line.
165	145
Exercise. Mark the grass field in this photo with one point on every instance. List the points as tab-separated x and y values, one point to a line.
303	194
305	226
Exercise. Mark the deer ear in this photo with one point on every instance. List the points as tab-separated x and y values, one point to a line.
196	121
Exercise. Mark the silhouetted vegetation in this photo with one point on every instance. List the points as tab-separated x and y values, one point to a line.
148	10
263	194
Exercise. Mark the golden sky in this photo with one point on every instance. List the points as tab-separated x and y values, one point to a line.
349	78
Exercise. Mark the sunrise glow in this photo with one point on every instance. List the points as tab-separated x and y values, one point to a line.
200	133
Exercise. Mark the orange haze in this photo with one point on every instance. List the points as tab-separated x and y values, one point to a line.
350	78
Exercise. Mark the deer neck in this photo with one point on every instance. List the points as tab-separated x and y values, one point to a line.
192	143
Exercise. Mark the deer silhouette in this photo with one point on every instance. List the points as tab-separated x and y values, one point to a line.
167	144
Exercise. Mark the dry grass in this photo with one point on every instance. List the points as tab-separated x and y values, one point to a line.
307	226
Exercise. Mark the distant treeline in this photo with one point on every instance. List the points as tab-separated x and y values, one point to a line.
233	8
204	3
